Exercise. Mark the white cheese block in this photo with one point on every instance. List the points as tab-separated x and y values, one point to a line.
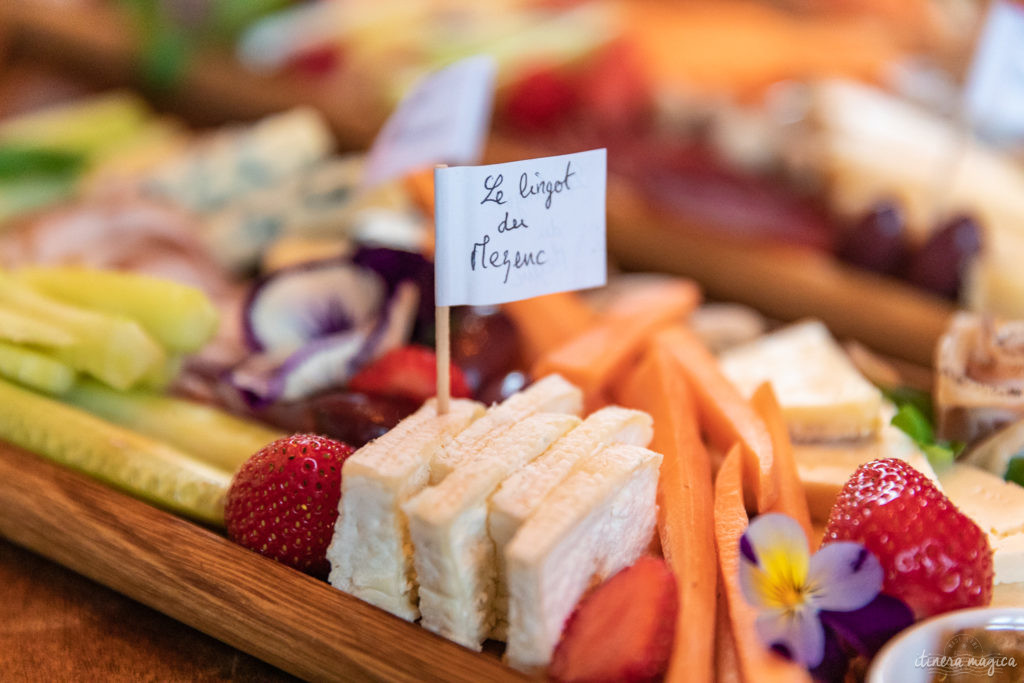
452	552
522	493
552	394
370	554
822	395
997	506
596	522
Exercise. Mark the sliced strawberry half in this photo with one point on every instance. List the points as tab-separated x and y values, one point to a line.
408	372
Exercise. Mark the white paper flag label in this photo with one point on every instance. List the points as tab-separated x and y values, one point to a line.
994	95
443	120
513	231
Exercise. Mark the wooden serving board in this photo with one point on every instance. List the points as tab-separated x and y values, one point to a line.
293	621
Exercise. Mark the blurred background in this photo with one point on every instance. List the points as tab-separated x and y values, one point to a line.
806	157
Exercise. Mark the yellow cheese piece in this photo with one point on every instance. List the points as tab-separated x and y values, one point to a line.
824	468
822	395
997	506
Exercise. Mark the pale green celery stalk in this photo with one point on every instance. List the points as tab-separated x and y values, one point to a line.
87	127
180	317
209	434
34	369
139	465
113	349
22	328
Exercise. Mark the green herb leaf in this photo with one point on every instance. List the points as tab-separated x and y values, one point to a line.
1015	469
914	424
913	421
17	161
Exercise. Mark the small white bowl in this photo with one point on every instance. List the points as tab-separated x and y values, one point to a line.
905	658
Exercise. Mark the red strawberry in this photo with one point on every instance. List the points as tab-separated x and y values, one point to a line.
283	501
540	99
623	630
408	372
935	558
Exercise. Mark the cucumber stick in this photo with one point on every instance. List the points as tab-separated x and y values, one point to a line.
180	317
209	434
23	328
113	349
34	369
129	461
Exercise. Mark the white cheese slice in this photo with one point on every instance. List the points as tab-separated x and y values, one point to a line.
997	506
552	394
370	553
822	395
452	552
522	493
596	522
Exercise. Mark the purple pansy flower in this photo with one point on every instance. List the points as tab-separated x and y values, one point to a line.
816	609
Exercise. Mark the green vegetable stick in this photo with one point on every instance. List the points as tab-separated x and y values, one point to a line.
22	328
129	461
180	317
211	435
34	369
113	349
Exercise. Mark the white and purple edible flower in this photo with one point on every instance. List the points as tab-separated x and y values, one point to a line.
818	609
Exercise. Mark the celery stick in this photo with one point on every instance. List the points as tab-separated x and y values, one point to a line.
135	463
86	127
34	369
180	317
162	375
23	328
211	435
113	349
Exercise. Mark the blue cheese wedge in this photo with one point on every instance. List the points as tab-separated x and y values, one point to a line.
552	394
997	506
452	551
599	520
371	554
822	395
523	492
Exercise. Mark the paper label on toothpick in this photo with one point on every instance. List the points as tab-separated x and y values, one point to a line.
994	95
513	231
444	120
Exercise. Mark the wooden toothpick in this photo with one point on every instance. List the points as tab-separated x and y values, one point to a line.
442	340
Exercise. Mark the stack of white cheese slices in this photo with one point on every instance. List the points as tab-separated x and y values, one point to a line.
492	523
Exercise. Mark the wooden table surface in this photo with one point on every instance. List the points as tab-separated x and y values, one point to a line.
58	626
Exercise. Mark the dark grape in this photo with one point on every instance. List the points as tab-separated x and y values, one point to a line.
500	388
357	418
485	344
877	242
939	265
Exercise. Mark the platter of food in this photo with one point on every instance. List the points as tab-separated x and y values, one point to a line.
219	363
774	238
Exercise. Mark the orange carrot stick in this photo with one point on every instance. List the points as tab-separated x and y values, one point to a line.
684	508
757	662
420	186
547	322
792	499
599	358
727	662
725	416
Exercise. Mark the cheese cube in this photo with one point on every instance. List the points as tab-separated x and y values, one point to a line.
822	395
